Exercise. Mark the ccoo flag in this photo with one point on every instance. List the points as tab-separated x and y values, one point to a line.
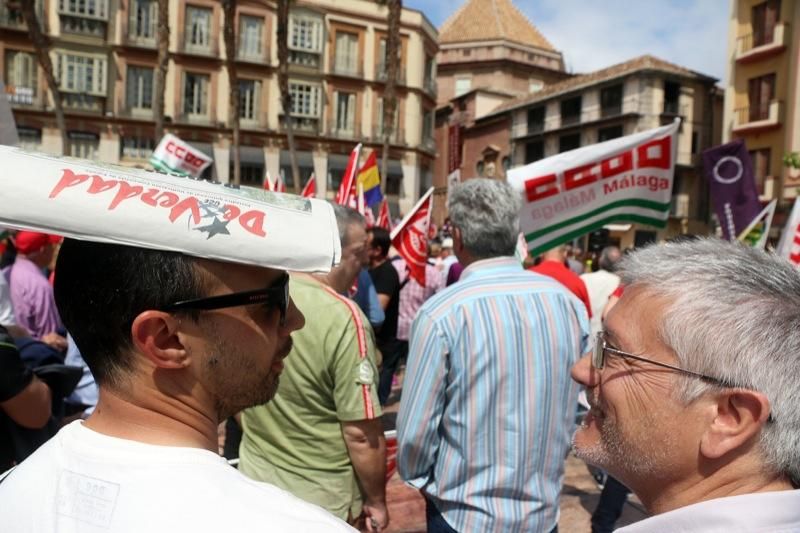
410	237
370	180
310	190
732	186
347	189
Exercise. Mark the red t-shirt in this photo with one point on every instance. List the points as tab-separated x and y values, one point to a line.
565	276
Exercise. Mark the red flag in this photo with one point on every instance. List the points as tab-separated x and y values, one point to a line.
280	185
384	220
267	182
410	237
310	190
347	189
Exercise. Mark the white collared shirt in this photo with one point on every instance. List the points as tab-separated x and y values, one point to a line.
762	512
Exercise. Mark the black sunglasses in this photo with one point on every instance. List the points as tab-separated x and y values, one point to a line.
277	295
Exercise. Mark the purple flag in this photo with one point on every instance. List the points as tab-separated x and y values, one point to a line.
732	186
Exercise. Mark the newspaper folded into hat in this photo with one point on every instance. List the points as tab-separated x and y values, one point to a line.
109	203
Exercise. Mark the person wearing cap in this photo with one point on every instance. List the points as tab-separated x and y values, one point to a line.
321	437
176	345
31	293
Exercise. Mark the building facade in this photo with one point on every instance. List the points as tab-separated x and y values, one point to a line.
762	100
104	55
489	53
630	97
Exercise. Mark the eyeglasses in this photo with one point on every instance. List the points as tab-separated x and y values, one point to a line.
276	295
601	347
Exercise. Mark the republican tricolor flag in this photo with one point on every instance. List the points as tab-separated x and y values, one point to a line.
410	237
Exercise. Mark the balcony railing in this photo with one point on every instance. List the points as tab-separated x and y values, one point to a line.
430	86
748	47
209	48
257	122
343	69
611	110
428	143
353	132
306	125
397	137
85	103
136	112
260	57
758	116
381	74
194	118
570	120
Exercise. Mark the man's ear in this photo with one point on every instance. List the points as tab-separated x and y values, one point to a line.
155	335
740	415
458	244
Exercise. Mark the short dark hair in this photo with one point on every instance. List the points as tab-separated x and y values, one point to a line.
346	217
381	239
101	288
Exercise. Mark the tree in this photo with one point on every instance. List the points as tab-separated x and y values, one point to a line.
283	84
392	62
229	6
41	44
160	82
792	160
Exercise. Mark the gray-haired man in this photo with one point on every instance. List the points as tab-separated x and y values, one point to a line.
693	387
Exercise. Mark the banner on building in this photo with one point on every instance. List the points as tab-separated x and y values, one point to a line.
628	179
410	237
174	156
789	245
108	203
732	186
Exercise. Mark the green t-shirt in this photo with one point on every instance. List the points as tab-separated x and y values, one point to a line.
331	376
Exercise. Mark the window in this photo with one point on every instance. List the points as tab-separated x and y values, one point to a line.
534	151
569	142
249	95
479	168
198	29
83	145
761	166
463	85
250	40
611	101
345	112
21	74
139	88
82	74
427	126
430	74
534	86
764	19
250	174
84	8
695	142
536	120
305	34
195	94
761	92
672	94
571	111
611	132
346	54
143	17
305	99
137	147
29	138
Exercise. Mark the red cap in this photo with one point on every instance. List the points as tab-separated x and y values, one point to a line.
28	242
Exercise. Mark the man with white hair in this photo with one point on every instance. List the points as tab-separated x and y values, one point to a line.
693	388
487	408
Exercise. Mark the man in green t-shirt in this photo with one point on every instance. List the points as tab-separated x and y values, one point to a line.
321	437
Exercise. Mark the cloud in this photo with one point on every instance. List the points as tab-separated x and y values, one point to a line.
593	35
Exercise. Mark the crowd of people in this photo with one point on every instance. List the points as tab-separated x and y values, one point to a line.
118	365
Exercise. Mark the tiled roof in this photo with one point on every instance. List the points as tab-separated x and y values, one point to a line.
645	62
491	20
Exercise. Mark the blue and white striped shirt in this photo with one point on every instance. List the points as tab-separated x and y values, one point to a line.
488	406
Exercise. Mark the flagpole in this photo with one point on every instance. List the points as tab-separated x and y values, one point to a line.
408	216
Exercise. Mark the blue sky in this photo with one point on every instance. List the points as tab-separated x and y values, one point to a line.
593	34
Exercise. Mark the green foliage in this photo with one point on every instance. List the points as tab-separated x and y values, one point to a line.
792	160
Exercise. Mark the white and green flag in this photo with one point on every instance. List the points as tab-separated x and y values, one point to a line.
175	156
628	179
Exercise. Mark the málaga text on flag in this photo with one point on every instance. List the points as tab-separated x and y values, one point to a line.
384	218
789	245
732	186
628	179
174	156
370	180
310	190
410	237
114	204
347	189
757	232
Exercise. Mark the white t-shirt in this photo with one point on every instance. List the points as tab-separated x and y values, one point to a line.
83	481
6	307
599	285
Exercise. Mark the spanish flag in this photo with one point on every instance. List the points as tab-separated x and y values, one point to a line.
370	180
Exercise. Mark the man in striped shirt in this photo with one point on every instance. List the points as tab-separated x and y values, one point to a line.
488	407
